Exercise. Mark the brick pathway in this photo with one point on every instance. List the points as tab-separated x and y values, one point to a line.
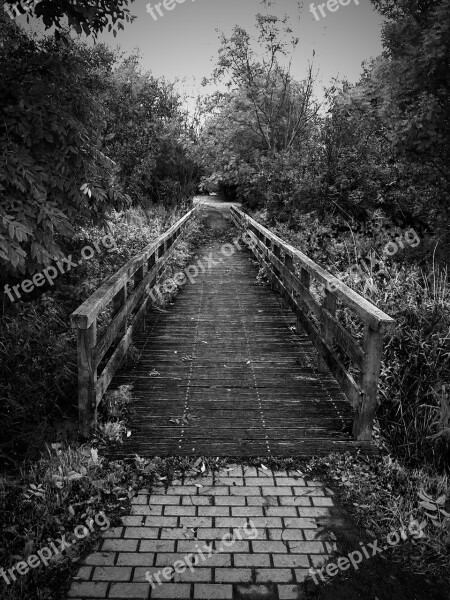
271	540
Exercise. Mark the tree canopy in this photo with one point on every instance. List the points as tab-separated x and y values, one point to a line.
89	16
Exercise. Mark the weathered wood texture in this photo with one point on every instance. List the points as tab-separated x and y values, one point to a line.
224	373
142	272
283	262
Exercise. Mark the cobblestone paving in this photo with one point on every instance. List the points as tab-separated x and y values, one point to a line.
247	533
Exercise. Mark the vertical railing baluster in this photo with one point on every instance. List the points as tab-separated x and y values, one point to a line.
329	303
87	380
289	264
305	279
118	301
369	378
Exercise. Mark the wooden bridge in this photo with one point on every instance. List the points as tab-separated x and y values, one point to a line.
233	367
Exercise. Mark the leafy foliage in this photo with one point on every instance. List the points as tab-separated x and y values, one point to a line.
90	17
263	124
148	136
53	174
83	130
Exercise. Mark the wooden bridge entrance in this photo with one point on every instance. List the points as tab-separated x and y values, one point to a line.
233	368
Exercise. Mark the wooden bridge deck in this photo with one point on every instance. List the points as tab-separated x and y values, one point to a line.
226	362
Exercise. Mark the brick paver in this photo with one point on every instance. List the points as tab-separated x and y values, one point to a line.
246	532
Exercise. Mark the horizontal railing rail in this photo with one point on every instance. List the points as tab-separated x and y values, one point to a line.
292	273
128	309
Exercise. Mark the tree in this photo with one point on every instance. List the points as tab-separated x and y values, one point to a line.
53	173
262	126
269	102
148	136
90	16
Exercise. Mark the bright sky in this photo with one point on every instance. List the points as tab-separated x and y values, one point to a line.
183	43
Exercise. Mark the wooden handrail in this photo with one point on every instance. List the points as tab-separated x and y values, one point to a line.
291	272
128	311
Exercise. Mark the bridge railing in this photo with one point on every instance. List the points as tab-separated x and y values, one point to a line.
140	274
293	274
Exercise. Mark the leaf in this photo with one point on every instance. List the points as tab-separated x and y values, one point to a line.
428	506
423	496
28	549
94	455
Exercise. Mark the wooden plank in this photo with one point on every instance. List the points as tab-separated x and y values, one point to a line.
373	346
119	302
87	378
326	332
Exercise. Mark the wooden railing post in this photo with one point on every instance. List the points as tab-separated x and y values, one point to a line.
87	378
289	264
329	304
277	252
305	279
365	414
138	279
150	264
139	275
119	300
